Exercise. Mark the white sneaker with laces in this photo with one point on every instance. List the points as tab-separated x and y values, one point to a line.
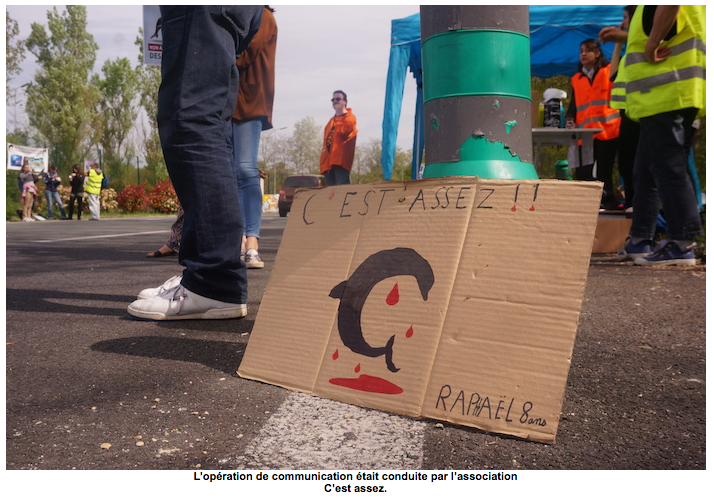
253	260
169	284
180	303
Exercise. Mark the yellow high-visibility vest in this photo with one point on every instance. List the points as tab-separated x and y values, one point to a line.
94	182
679	81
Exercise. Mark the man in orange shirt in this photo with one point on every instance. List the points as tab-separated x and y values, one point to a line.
338	148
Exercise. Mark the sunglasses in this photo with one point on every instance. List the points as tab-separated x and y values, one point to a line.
336	99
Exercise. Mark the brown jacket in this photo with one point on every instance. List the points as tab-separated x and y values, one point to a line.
257	74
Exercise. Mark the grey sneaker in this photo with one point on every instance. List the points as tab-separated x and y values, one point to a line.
169	284
253	259
180	303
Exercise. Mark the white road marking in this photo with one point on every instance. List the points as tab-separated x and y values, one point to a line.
99	236
313	433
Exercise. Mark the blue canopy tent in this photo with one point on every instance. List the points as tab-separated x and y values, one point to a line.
556	33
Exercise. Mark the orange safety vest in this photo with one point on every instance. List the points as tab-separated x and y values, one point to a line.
592	104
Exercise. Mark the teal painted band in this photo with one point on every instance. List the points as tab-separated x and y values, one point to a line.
477	63
486	169
483	158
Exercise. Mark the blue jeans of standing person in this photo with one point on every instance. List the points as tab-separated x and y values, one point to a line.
661	177
246	139
196	100
54	196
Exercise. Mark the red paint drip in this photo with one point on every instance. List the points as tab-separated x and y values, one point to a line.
410	331
513	209
532	208
335	355
393	297
371	384
331	196
358	368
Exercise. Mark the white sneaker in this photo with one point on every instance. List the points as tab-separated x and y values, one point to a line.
253	260
180	303
171	283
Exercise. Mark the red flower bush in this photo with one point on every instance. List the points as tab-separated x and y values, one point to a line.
134	198
162	197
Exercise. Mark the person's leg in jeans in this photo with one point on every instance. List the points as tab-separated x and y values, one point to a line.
196	101
246	140
661	178
48	199
669	134
58	199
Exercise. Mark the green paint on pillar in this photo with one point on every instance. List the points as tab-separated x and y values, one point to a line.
486	159
477	63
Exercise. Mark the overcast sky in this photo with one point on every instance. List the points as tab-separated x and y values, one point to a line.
320	49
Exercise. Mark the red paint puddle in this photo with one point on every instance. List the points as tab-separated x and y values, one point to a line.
393	296
371	384
410	332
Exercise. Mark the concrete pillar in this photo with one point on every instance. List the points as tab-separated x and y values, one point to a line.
477	91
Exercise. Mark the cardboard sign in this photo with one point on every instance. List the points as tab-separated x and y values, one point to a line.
454	298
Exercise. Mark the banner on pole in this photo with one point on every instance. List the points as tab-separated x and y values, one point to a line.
153	36
18	155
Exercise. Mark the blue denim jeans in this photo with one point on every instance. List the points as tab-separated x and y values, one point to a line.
246	139
661	177
53	196
196	100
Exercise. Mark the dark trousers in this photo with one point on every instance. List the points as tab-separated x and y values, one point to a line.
79	198
605	154
337	175
196	100
661	177
629	138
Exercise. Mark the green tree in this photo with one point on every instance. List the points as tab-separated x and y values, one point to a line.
271	158
118	107
14	55
368	163
61	101
367	166
149	79
304	146
402	169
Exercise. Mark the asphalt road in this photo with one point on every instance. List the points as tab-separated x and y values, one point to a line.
90	388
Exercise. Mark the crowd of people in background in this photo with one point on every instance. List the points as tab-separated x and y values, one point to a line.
81	182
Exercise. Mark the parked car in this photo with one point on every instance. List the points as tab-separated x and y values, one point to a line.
293	184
